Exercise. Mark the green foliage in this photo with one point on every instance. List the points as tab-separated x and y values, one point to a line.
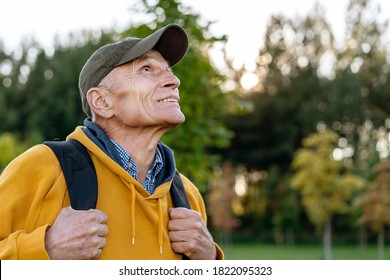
10	147
284	206
306	82
41	93
287	102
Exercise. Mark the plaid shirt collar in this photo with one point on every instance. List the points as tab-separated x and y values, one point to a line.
129	165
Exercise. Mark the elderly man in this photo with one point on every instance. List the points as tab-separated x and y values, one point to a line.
131	98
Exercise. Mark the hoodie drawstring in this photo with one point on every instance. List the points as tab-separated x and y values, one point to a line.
160	219
160	225
133	214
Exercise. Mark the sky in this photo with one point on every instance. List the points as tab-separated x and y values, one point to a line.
243	21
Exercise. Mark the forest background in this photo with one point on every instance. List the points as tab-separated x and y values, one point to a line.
298	157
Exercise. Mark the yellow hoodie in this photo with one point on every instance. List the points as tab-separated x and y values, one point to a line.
33	191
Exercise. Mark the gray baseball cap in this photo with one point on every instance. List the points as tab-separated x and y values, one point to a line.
170	41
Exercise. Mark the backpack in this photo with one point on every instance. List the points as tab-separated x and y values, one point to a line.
80	176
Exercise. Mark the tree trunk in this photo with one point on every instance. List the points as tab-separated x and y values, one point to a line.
278	236
381	244
290	237
327	240
362	237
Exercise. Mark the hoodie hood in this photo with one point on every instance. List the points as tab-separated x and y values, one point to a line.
100	138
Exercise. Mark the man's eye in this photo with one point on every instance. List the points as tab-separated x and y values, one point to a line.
145	68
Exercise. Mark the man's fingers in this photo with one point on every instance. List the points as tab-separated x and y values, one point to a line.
96	215
101	217
182	213
103	231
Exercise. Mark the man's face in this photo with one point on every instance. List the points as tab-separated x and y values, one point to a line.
145	93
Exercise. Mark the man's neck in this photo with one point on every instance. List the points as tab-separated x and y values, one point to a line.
141	145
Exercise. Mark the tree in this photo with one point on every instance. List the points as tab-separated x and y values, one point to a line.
284	108
284	206
324	185
287	104
375	203
361	77
220	198
42	96
15	69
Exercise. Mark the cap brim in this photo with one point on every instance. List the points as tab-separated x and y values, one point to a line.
171	42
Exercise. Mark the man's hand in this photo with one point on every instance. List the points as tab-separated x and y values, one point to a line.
189	235
77	235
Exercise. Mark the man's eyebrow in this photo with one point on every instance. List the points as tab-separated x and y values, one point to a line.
147	56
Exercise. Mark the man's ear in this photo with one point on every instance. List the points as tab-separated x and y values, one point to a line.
100	102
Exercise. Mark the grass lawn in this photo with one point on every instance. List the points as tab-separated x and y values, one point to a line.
299	252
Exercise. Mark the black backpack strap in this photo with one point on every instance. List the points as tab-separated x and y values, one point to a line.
178	193
179	196
79	173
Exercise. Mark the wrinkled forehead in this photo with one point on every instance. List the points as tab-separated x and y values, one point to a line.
151	55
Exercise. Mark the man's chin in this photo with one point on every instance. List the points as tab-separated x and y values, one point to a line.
176	123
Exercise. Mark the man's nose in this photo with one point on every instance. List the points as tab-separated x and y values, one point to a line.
172	81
